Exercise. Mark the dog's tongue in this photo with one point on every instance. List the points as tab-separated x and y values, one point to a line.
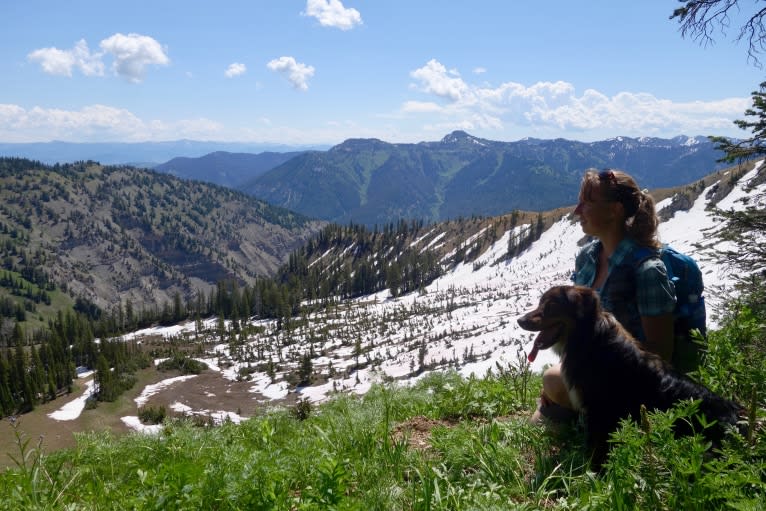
533	354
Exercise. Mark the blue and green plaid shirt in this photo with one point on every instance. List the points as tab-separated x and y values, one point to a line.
629	292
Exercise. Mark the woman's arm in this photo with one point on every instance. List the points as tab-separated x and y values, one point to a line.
659	334
656	300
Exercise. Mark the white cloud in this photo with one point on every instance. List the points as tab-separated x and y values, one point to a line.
53	61
421	107
61	62
95	123
479	70
295	72
235	69
557	106
133	53
332	13
435	79
89	64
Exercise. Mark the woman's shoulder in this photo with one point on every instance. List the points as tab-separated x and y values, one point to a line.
648	261
590	247
588	253
643	259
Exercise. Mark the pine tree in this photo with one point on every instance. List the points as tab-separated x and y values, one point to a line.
37	376
105	384
393	278
306	369
22	388
6	398
749	148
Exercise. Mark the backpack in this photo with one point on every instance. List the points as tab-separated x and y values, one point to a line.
689	313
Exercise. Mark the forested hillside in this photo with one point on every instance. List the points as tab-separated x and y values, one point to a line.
369	181
111	235
224	168
349	261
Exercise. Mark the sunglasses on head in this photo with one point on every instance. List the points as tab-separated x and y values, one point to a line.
607	175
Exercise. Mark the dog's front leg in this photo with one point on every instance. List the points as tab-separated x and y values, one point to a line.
598	428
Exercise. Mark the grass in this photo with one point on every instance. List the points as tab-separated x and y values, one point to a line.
447	443
43	313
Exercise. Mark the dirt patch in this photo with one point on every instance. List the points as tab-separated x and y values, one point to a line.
417	431
208	391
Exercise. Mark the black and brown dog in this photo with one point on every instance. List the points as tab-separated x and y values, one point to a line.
607	372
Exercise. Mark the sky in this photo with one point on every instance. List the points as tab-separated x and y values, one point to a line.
487	297
303	72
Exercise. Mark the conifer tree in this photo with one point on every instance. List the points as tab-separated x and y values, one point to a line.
393	278
37	376
6	398
22	389
104	379
754	146
306	368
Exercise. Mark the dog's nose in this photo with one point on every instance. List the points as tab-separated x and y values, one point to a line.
524	321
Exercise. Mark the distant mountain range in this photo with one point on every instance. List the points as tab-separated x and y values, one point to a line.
139	154
223	168
370	182
373	182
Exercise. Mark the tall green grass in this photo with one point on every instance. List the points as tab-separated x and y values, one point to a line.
474	450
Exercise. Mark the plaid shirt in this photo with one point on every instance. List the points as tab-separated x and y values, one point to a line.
628	292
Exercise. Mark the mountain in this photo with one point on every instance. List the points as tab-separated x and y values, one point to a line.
373	182
224	168
139	154
109	234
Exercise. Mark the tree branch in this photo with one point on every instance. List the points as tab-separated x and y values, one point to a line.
699	19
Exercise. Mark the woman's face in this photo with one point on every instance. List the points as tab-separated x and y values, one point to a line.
597	215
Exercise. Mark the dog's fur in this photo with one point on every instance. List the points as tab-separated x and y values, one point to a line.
607	372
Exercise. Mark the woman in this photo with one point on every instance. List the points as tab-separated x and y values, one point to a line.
621	218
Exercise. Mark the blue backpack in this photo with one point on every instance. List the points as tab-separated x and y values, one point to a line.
689	313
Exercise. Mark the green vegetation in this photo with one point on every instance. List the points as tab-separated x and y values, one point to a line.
97	237
361	262
350	261
152	414
373	182
183	364
445	443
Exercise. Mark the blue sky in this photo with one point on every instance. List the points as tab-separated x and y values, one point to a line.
322	71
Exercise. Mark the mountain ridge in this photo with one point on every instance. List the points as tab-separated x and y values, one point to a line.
225	168
139	154
374	182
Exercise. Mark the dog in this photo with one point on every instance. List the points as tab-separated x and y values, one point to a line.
607	372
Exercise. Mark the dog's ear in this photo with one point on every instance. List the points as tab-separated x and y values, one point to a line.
584	299
573	295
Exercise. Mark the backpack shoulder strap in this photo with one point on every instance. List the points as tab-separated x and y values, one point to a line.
641	254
